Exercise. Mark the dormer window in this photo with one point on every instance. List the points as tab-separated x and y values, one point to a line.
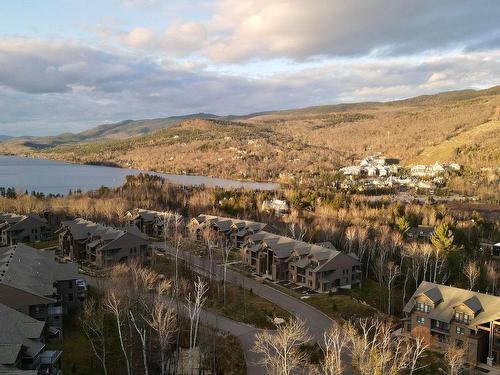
462	317
422	307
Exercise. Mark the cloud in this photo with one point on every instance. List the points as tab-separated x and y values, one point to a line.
52	87
239	31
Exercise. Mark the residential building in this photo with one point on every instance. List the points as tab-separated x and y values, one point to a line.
34	283
319	268
223	229
278	206
16	228
453	315
101	246
153	223
421	232
22	350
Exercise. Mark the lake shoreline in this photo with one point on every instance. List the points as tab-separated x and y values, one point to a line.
90	176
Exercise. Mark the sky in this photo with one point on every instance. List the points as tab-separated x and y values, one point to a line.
66	66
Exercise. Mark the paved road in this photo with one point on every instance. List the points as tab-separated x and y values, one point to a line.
243	332
317	322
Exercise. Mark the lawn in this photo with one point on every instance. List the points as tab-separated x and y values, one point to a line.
340	306
241	304
44	244
244	306
376	295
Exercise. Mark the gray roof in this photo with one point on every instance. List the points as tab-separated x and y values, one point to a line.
486	307
32	270
9	353
434	294
284	247
18	328
227	223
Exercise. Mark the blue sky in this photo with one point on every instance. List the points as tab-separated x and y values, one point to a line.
70	65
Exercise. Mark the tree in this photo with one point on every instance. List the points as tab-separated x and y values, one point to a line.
226	251
402	225
163	321
335	342
93	326
455	358
281	350
195	304
492	276
114	304
393	271
442	237
472	273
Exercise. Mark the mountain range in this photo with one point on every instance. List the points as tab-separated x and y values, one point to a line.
461	126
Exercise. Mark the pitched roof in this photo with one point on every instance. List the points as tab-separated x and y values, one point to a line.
20	329
485	306
32	270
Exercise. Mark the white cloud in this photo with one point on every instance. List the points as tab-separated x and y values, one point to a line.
83	86
300	29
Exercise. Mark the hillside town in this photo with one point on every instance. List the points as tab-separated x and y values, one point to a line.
378	173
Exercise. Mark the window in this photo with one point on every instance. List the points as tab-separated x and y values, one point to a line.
420	320
423	307
70	297
461	330
462	317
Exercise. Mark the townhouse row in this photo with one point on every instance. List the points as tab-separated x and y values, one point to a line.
36	292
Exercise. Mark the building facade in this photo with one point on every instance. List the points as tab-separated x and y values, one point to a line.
451	315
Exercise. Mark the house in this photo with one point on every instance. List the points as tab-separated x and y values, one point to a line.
278	206
23	228
421	232
22	349
316	267
34	283
453	315
224	229
152	222
101	246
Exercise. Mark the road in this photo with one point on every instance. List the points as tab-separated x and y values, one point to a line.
317	321
243	332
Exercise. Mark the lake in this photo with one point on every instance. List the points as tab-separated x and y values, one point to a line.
56	177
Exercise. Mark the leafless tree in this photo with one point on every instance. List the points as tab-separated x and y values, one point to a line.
417	346
142	332
455	358
93	326
162	320
492	276
393	271
281	350
297	231
226	251
114	304
472	273
195	304
350	235
335	343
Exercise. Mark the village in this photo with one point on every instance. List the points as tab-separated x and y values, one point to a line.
72	254
378	173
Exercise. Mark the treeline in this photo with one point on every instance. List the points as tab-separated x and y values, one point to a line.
376	230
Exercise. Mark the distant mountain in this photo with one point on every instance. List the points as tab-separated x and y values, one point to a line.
119	130
4	138
461	126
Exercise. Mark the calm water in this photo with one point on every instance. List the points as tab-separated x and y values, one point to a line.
57	177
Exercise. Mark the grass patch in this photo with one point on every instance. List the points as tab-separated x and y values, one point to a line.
44	244
340	306
244	306
377	296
